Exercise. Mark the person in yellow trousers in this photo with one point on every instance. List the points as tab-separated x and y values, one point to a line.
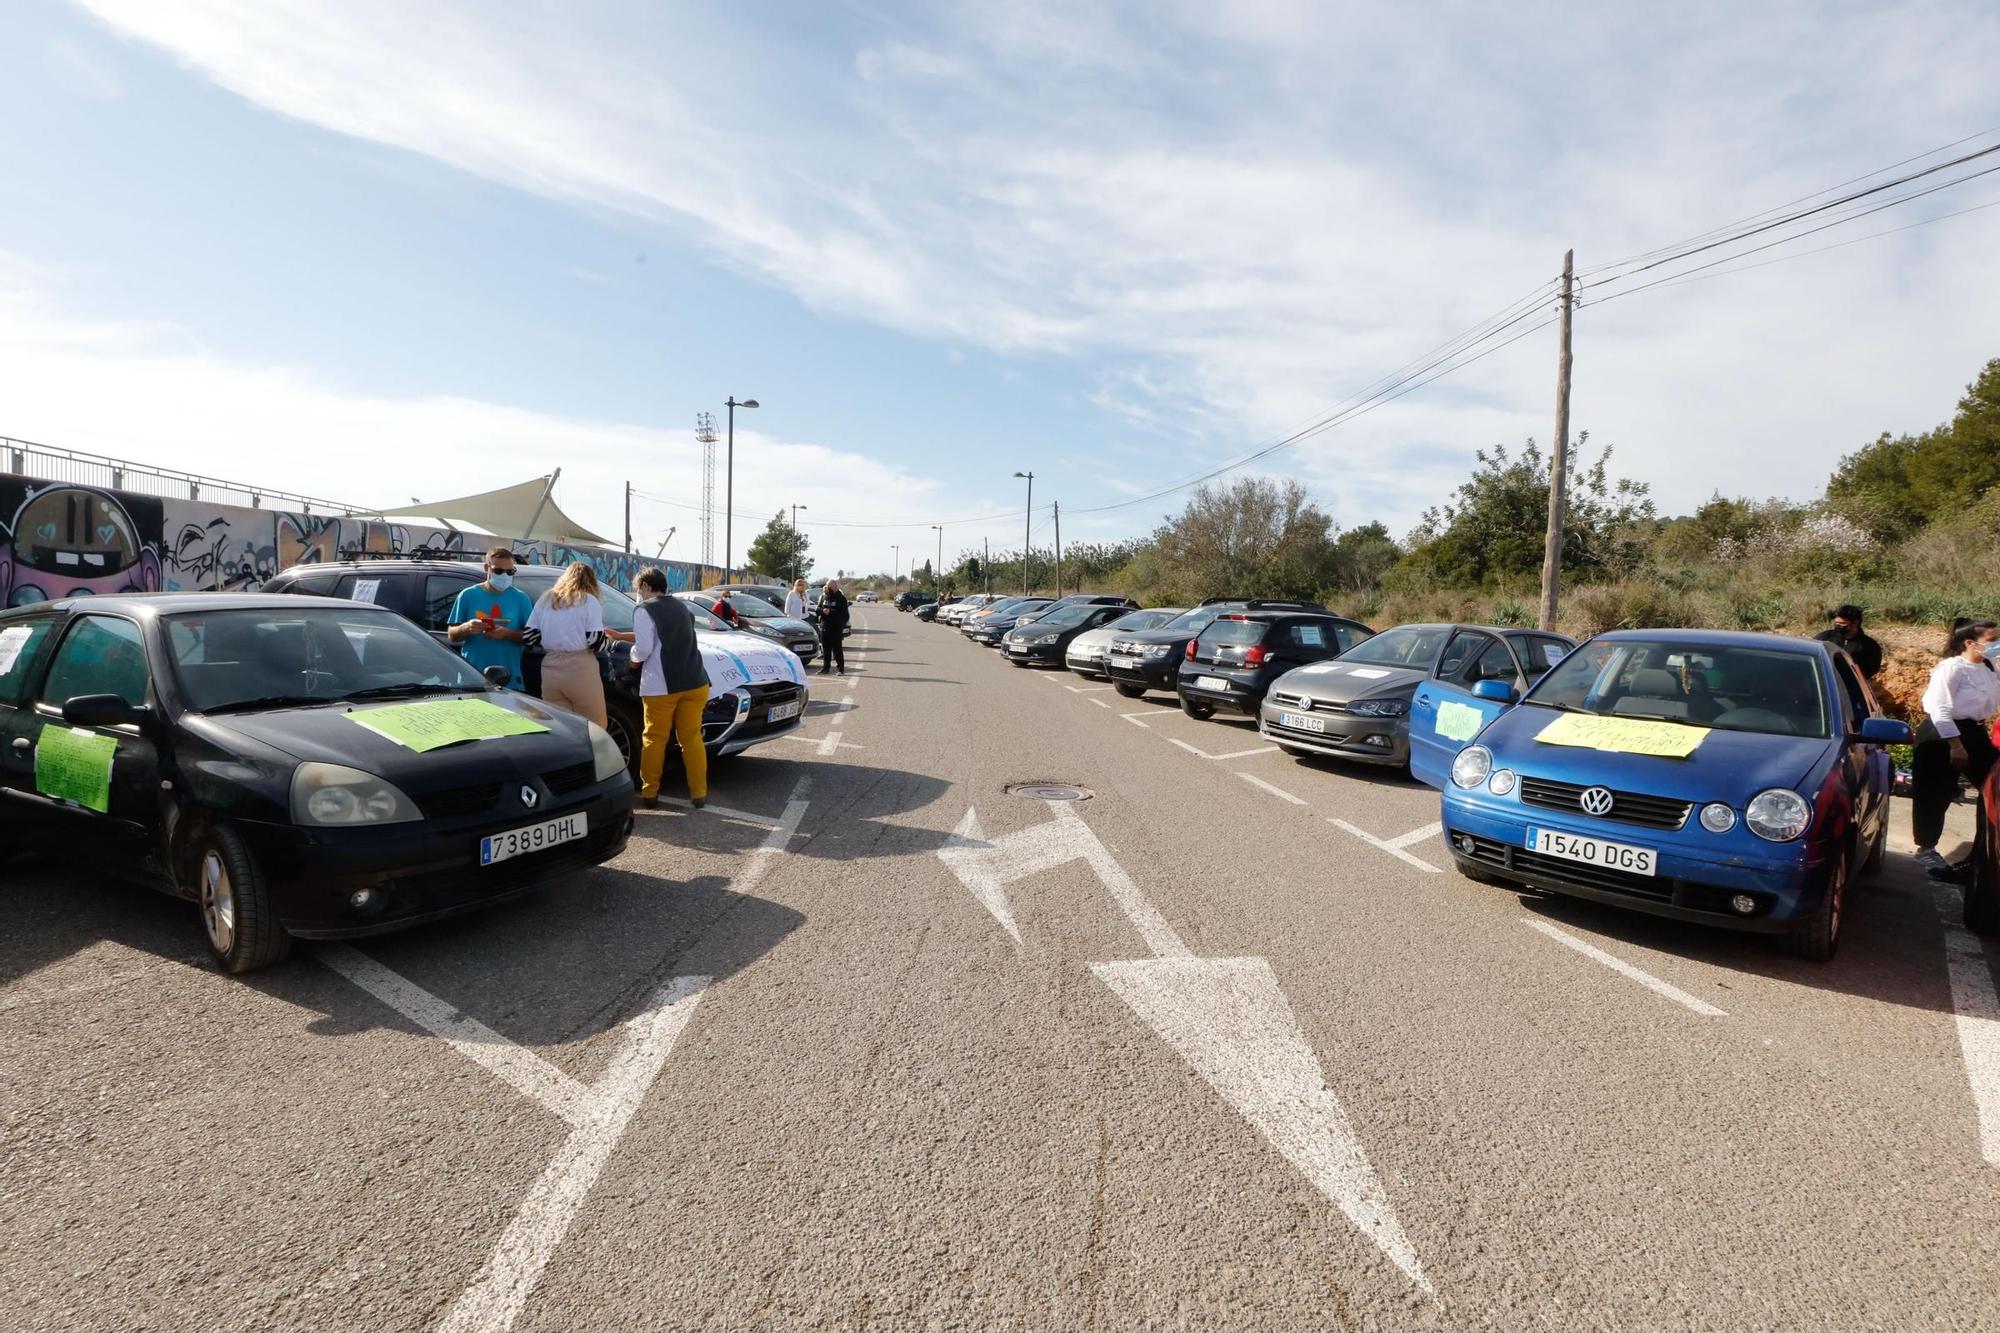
673	685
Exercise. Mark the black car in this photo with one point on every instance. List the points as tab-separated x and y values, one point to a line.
1151	659
424	591
926	611
1358	707
1233	662
1043	639
297	768
758	617
987	626
911	600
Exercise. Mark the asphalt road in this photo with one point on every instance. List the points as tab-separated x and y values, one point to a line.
872	1042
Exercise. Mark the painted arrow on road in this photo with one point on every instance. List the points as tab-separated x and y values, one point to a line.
1227	1017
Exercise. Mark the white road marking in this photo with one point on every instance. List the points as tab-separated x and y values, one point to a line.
1100	703
1976	1011
1191	749
521	1069
820	740
1133	718
1386	845
1625	969
1278	792
1084	689
1415	835
777	840
1245	754
723	812
1229	1019
829	743
497	1295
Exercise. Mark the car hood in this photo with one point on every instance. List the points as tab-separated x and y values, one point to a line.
1728	765
736	658
795	629
1342	682
1093	640
1153	636
329	735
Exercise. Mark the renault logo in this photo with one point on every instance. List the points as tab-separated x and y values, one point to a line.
1596	801
531	799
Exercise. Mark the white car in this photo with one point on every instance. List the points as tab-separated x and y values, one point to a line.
757	689
959	610
866	595
1086	652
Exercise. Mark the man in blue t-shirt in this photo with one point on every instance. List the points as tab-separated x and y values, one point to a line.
489	620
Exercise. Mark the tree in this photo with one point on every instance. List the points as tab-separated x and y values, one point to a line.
1362	556
1257	537
1898	484
775	549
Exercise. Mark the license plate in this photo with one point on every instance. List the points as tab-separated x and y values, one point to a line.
1302	722
534	838
1211	683
779	712
1593	851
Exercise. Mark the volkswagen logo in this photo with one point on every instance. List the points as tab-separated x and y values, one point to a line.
1306	702
1596	801
531	799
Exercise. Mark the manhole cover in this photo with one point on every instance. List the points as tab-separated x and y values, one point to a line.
1047	791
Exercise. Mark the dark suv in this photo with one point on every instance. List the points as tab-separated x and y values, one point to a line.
1151	659
424	591
1233	662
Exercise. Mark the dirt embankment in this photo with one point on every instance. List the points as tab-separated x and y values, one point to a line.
1908	654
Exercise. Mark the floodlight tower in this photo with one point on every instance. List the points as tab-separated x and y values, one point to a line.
704	430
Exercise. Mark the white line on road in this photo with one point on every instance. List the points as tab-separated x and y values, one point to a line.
1133	718
1415	835
1625	969
1085	689
1100	703
819	740
723	812
1278	792
829	743
777	840
1233	754
1388	845
1976	1009
521	1069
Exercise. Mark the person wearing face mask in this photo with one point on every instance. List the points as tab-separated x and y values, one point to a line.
490	619
1847	634
1962	697
673	686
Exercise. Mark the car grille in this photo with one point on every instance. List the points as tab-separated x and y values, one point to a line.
1504	857
563	781
1301	702
1627	807
453	801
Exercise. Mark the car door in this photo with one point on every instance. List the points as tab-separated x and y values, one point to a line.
1869	767
95	654
440	595
1444	713
24	645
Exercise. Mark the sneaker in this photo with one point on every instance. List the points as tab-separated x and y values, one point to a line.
698	802
1931	859
650	802
1958	874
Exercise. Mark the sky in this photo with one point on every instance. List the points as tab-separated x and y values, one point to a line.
380	252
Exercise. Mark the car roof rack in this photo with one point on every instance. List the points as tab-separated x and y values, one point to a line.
1276	604
420	556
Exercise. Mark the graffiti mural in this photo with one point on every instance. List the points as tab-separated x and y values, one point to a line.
305	539
59	540
217	547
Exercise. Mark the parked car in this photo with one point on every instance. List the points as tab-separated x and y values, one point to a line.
953	613
255	755
1358	706
1098	599
1143	660
758	618
1729	778
740	713
926	611
987	626
1233	662
1982	893
912	599
763	592
1085	653
866	595
1043	639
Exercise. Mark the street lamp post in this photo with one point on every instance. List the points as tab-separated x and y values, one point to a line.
1027	529
729	496
937	570
895	560
795	540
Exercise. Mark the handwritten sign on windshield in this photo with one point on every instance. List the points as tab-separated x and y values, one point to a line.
434	724
1623	735
72	764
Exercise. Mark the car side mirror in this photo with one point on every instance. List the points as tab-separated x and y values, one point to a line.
498	676
103	710
1498	691
1883	731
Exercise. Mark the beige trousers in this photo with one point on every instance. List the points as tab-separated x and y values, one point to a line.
572	681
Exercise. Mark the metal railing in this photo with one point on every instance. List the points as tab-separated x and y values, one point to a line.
51	463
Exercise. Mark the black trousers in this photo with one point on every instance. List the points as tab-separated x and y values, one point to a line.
1934	782
833	651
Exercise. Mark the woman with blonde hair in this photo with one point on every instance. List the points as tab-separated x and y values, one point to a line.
568	624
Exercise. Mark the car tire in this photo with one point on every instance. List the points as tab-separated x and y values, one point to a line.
1200	712
238	917
1819	936
628	742
1017	662
1294	751
1478	874
1126	691
1982	892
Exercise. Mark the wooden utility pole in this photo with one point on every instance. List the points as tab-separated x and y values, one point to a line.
1058	513
1552	544
628	518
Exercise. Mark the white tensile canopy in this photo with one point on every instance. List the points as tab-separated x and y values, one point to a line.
523	512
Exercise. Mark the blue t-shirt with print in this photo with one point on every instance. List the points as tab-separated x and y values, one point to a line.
510	609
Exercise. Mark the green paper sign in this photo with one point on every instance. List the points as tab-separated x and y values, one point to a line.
440	722
72	764
1458	722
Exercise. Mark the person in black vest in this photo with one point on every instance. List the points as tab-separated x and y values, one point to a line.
832	627
1847	633
673	687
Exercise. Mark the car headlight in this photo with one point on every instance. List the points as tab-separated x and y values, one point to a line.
1501	782
1379	707
1158	649
1717	817
1778	815
604	753
1474	762
1046	638
335	795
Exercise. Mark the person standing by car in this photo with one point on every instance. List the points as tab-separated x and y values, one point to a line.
832	627
795	601
1848	634
726	613
568	624
673	685
1963	695
489	620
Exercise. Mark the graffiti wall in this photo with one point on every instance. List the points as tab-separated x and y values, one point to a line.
62	540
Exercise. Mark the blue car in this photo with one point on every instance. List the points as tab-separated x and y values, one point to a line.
1734	779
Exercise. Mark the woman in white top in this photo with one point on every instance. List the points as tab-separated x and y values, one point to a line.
1959	703
795	600
568	623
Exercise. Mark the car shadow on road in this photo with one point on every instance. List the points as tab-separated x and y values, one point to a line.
1375	775
54	912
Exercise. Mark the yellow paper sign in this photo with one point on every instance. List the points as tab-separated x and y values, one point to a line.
432	726
1624	735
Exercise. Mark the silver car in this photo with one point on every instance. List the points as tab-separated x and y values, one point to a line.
1086	652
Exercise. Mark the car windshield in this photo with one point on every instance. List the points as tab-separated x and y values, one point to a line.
1724	686
1196	620
618	607
755	607
704	618
1143	620
1062	617
1405	646
296	655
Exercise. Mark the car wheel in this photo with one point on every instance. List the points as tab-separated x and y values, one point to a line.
1816	940
1128	691
1478	874
1294	751
237	914
1200	712
628	744
1017	661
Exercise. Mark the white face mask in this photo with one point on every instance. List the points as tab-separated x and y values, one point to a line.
500	582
